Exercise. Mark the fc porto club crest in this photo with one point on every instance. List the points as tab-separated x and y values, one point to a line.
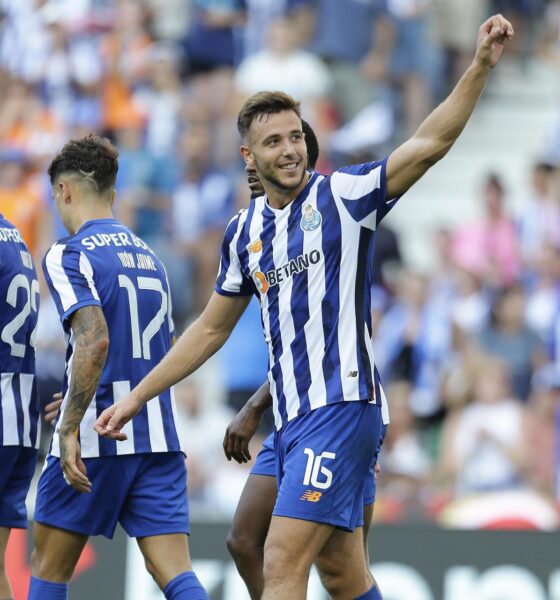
310	218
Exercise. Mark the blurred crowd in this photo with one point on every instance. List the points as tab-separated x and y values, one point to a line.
470	354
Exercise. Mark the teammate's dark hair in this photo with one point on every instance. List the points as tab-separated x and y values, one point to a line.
264	103
92	157
311	143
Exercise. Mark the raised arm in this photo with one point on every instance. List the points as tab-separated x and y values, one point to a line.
195	346
443	126
88	360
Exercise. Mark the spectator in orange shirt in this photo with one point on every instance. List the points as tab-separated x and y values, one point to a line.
21	205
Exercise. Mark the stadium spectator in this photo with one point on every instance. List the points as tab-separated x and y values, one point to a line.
509	338
489	248
483	444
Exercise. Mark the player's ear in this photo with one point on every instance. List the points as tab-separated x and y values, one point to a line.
246	154
65	190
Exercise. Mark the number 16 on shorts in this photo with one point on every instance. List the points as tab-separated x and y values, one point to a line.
314	469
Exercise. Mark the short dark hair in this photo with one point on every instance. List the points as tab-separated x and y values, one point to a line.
93	157
311	143
264	103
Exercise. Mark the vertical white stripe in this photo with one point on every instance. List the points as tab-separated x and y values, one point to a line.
120	390
369	349
285	319
234	278
314	334
155	426
58	277
384	407
87	271
255	232
9	414
176	421
55	447
89	439
355	187
26	391
347	342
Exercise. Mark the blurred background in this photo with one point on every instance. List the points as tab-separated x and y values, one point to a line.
466	300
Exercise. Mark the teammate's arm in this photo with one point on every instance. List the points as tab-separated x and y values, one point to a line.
193	348
244	425
88	359
443	126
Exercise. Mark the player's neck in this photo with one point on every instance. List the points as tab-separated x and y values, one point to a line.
91	213
280	198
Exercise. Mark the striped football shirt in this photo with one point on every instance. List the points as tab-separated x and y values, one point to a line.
104	264
310	266
19	305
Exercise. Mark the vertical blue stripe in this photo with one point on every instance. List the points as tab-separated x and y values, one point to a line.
362	281
169	430
330	304
377	385
299	305
34	412
16	390
1	419
266	263
141	429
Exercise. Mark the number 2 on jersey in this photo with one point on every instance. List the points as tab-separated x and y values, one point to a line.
10	330
141	340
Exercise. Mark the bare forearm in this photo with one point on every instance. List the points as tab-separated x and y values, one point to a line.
88	360
192	349
444	125
87	366
261	400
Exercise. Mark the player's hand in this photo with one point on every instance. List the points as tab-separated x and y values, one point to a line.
113	419
492	36
239	433
376	469
51	409
75	473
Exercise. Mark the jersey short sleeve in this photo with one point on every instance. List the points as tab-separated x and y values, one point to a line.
362	189
69	275
232	280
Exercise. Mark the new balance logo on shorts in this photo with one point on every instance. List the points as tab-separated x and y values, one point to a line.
311	496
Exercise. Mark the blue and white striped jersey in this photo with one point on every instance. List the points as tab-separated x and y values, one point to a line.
310	266
104	264
19	305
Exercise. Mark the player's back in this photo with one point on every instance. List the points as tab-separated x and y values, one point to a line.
106	265
19	305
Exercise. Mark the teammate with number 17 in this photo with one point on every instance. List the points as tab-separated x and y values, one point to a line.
112	294
19	401
305	249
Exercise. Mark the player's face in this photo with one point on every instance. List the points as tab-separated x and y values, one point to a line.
277	149
253	180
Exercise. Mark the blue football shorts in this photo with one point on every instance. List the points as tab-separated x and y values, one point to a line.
323	459
145	493
370	486
17	465
265	464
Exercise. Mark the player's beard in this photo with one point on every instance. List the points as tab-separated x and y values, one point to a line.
267	174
